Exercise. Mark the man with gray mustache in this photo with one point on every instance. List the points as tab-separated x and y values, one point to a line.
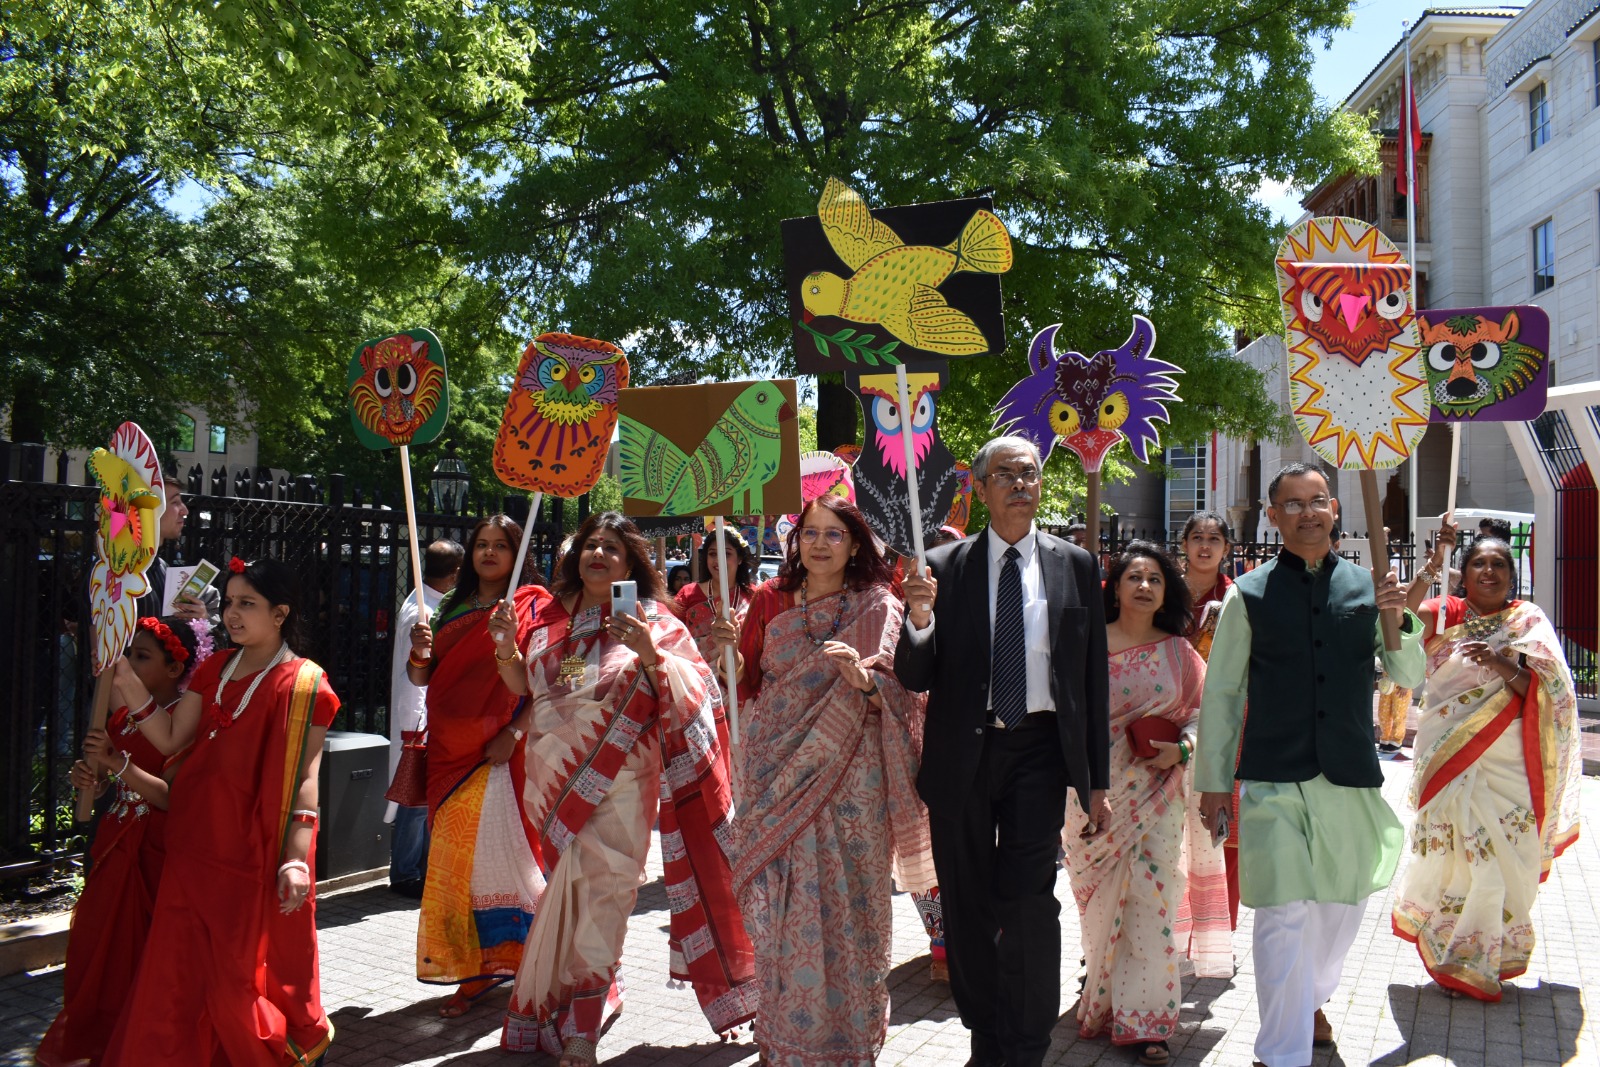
1005	631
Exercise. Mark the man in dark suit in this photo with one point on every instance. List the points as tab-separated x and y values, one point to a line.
1006	632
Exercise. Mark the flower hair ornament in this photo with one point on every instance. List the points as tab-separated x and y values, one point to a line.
169	640
204	644
237	565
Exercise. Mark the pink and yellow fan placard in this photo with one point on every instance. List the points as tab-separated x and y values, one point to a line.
1356	384
127	474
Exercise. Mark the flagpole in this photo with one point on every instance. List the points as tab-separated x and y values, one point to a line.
1406	142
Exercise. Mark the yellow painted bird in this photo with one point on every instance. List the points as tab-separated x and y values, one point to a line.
895	285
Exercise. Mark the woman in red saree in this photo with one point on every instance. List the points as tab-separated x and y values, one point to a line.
700	603
625	725
229	972
830	820
483	878
113	913
1205	546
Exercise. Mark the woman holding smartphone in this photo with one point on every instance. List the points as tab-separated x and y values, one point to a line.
618	700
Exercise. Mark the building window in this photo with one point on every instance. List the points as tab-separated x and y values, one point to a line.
1186	488
182	439
1544	255
1594	50
1538	116
219	439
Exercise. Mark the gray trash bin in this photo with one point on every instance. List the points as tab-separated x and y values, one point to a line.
354	774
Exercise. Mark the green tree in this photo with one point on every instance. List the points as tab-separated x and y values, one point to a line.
1122	141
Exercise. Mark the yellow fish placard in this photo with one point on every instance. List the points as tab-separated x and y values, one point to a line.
898	285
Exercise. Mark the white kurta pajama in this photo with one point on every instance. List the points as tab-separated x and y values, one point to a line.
1310	853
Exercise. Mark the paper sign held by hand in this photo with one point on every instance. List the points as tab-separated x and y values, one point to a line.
397	389
1356	386
879	471
132	498
560	414
896	285
1089	403
723	448
1486	364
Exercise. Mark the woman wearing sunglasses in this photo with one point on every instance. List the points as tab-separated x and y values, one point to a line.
828	805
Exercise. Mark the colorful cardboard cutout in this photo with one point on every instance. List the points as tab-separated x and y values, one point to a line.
1089	403
821	474
897	285
132	498
560	414
961	510
717	449
1486	364
879	471
397	389
1356	385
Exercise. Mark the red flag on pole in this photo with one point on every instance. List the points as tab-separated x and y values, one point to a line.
1410	139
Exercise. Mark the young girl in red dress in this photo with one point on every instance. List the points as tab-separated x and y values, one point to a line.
113	913
229	974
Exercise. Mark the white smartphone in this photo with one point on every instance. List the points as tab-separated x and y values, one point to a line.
1221	833
625	598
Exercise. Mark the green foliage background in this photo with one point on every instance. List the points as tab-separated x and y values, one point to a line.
616	168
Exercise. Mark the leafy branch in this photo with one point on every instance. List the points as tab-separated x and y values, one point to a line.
857	349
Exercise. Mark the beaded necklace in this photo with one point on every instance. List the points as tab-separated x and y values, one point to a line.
805	614
220	719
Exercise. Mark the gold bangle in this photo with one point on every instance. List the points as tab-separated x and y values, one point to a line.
516	654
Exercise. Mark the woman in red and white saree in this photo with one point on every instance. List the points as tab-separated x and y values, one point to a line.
229	973
1496	782
1150	890
700	603
626	727
829	819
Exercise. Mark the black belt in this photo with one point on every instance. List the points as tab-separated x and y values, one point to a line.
1029	721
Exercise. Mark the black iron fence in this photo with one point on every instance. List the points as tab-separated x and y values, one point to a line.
349	547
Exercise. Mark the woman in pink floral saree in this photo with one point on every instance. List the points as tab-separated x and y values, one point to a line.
829	818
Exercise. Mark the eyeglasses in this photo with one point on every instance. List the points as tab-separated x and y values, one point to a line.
1295	507
833	535
1025	476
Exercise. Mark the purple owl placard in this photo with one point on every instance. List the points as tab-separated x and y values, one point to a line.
560	414
1486	364
1089	403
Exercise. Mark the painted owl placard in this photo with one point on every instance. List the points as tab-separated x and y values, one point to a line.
1089	403
724	448
879	471
127	474
912	284
1486	364
560	414
1356	385
397	389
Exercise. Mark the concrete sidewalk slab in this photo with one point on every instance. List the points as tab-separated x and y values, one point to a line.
1386	1013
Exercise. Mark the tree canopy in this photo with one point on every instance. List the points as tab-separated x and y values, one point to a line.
618	169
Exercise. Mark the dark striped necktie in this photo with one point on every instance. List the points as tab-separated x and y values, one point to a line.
1009	666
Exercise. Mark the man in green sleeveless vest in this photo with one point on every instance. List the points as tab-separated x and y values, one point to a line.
1295	641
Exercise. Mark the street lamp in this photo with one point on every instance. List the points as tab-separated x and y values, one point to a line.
447	486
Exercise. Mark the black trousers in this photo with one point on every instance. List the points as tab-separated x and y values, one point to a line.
997	871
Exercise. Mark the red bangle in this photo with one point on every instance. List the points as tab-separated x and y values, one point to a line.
147	709
308	817
420	664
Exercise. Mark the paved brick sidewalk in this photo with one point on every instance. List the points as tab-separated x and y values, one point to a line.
1385	1013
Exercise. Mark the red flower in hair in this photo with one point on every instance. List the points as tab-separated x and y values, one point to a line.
237	565
169	640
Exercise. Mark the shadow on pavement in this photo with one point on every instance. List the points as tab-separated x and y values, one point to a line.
1544	1021
359	1030
358	905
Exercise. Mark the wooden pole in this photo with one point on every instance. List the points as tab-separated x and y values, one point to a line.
411	527
97	721
1379	542
729	658
1091	518
527	538
1455	472
911	470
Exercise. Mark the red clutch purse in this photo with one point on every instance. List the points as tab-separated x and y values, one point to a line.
1141	732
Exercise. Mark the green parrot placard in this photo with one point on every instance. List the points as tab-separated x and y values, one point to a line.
722	448
872	288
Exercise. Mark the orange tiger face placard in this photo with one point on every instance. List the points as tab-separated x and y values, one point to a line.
398	389
1356	382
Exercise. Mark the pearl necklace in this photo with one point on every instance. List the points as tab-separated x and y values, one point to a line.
255	683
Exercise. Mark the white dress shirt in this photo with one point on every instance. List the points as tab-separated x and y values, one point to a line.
406	701
1035	613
